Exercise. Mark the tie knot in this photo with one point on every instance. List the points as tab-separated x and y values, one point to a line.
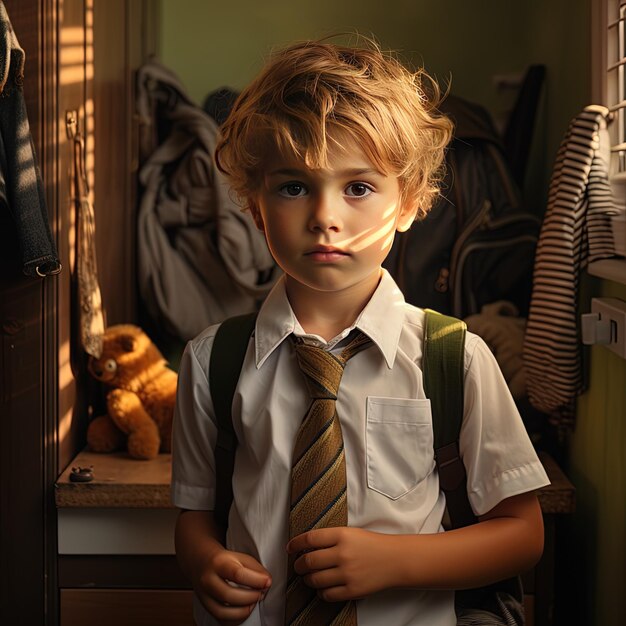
323	370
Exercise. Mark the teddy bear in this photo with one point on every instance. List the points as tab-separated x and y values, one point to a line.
141	392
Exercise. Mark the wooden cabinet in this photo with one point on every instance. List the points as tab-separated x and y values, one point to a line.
27	384
116	558
123	607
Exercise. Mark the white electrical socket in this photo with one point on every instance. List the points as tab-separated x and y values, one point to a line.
613	311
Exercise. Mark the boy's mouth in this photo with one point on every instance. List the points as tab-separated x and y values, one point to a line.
326	253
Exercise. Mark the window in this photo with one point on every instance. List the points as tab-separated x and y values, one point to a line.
608	73
608	87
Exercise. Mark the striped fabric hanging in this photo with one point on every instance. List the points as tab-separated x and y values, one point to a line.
576	231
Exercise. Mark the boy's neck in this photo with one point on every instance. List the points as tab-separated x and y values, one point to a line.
327	313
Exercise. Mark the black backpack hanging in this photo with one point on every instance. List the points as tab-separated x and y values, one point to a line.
477	244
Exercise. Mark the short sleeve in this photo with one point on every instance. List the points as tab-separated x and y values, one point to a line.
498	455
194	431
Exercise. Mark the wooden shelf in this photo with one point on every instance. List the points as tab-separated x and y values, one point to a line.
120	481
611	269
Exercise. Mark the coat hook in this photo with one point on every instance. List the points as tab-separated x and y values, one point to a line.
71	123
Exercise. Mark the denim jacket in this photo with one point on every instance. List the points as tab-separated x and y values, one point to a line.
21	188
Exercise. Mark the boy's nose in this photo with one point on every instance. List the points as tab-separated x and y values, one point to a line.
325	216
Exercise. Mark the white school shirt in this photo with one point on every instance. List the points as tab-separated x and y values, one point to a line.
392	483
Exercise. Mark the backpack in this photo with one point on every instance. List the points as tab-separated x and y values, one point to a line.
477	244
443	360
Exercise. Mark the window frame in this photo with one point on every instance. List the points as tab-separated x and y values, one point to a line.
608	76
603	88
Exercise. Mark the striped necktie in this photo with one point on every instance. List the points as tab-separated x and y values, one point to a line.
318	478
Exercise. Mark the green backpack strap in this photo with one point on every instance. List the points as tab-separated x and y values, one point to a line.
443	368
229	350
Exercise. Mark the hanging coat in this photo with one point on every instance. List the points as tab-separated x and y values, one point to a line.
21	189
201	259
576	231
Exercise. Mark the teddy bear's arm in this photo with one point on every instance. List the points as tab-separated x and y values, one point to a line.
130	416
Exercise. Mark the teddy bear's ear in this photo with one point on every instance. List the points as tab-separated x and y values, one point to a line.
127	342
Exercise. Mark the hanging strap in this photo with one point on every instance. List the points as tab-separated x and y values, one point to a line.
227	355
443	368
89	305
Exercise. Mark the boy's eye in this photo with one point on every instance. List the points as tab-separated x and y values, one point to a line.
358	190
293	190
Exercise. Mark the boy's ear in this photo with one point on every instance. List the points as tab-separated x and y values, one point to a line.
407	214
256	214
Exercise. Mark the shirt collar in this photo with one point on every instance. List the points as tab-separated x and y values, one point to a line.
381	320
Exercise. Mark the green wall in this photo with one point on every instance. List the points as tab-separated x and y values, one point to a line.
210	45
595	546
215	44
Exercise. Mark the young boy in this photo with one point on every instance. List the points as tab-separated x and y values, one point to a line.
333	150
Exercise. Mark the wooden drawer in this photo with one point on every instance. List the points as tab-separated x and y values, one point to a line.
126	607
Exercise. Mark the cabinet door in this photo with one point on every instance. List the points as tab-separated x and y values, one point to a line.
28	358
126	607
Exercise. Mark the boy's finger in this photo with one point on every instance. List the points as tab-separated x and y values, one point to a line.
224	612
227	593
324	579
315	561
313	540
250	578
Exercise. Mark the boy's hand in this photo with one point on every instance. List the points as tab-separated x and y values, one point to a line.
344	563
231	586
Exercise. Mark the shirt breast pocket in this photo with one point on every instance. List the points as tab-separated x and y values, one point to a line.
399	444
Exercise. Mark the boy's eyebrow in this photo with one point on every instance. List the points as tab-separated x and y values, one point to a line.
357	171
285	171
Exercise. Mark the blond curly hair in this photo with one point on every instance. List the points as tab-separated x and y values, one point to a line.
312	92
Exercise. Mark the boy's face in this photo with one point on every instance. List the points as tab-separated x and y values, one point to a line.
330	229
